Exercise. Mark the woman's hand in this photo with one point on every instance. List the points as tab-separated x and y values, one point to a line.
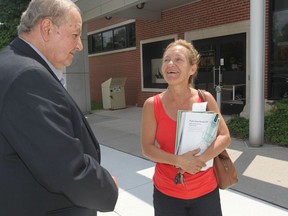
190	163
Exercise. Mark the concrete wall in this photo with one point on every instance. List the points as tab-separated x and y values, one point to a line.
77	76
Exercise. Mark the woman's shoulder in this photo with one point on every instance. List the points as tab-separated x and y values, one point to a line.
204	94
149	100
152	99
207	96
149	103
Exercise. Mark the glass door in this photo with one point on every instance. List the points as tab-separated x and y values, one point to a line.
225	55
206	77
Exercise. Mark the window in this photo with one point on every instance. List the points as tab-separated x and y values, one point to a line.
120	38
131	37
278	59
97	40
152	53
107	39
114	39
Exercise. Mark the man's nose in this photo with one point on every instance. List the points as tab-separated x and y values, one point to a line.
79	45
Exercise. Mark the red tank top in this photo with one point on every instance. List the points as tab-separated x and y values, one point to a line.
195	185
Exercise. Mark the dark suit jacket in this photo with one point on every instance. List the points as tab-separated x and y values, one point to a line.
49	157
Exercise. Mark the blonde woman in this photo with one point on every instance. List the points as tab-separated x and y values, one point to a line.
197	193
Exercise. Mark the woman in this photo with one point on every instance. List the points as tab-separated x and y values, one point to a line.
198	193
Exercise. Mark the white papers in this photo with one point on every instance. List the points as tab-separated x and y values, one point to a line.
199	107
196	130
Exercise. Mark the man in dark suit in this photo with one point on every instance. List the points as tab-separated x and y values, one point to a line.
49	157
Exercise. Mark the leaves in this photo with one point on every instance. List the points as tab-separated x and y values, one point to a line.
239	127
10	14
275	125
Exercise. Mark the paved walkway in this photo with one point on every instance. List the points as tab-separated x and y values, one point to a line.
263	172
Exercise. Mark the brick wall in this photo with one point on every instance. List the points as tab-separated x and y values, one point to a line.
121	64
202	14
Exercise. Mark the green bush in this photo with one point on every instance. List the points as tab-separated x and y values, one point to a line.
275	125
96	105
239	127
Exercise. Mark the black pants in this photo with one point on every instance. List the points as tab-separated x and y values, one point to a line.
207	205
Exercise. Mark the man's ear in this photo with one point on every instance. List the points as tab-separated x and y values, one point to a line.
46	27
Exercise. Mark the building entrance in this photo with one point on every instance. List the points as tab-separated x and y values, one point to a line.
223	64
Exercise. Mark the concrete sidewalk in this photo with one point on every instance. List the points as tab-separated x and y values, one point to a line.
263	172
135	198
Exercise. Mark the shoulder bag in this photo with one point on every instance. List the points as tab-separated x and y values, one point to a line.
224	169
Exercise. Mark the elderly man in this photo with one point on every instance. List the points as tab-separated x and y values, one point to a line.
49	157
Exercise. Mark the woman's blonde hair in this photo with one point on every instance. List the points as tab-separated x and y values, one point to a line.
193	55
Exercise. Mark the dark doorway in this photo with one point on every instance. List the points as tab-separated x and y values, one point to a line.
227	54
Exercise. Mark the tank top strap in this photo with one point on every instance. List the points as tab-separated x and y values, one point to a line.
200	99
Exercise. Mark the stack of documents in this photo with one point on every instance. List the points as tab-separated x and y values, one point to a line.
195	130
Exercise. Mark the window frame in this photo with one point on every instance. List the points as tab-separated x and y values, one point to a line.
128	37
147	58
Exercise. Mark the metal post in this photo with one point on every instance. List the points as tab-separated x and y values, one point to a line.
257	54
218	86
218	96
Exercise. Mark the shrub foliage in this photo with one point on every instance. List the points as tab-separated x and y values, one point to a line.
275	125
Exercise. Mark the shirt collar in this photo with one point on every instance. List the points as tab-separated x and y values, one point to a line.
57	73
